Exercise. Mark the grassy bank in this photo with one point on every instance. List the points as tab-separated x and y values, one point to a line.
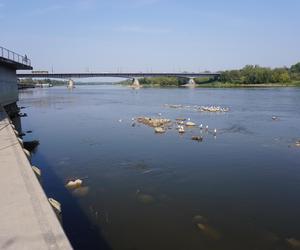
244	85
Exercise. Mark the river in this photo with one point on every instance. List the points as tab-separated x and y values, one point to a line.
236	190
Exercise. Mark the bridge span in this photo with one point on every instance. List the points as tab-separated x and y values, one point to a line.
121	75
131	75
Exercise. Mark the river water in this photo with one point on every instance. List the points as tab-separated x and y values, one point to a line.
236	190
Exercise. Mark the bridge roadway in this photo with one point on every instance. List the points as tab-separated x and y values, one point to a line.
121	75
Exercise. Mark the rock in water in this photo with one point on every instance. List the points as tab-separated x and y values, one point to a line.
159	130
190	124
197	138
74	184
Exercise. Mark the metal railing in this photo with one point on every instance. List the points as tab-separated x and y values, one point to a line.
10	55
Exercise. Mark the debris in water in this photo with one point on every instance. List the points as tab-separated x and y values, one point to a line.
209	231
293	243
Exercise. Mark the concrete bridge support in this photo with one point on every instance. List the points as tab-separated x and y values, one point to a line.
191	83
8	85
71	84
135	83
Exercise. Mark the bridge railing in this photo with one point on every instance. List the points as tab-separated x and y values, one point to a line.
10	55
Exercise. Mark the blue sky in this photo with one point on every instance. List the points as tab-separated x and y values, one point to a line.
151	35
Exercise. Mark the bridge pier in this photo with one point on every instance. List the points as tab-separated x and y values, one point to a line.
135	83
191	83
71	84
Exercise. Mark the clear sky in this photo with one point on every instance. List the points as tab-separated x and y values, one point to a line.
151	35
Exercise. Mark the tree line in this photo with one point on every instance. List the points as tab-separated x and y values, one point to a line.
254	74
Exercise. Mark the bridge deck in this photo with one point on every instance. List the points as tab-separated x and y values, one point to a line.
122	75
27	219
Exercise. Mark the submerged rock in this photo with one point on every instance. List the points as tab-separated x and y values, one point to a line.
293	243
199	219
145	198
209	231
81	191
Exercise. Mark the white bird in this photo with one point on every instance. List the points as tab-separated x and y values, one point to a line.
120	120
215	131
206	128
189	119
159	114
201	126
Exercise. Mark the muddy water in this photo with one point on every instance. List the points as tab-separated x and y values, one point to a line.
141	190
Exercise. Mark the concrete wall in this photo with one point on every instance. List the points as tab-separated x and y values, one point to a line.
8	85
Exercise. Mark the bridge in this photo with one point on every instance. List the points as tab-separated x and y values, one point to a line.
131	75
121	75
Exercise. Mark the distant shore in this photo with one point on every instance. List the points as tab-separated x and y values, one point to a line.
244	85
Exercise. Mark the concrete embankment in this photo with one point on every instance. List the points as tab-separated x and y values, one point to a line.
27	221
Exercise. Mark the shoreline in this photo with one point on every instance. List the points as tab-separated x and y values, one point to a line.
224	85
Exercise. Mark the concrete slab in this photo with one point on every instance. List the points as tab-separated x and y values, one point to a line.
27	221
